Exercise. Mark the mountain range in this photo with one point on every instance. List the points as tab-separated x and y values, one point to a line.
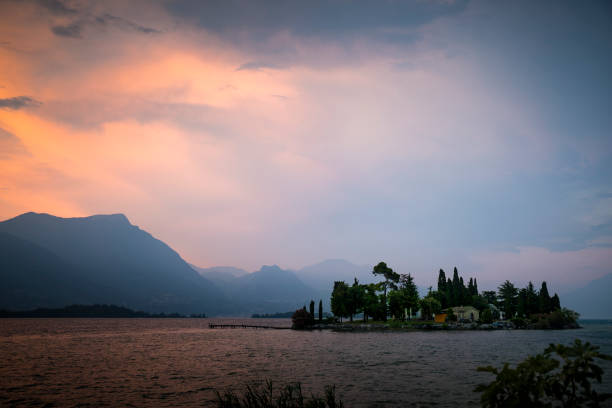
52	262
49	261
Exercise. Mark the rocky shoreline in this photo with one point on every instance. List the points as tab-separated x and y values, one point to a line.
393	326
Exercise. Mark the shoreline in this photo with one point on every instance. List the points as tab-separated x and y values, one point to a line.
425	326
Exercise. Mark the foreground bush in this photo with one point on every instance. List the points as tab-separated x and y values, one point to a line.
545	380
558	319
301	320
289	396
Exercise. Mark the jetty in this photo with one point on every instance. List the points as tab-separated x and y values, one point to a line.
243	326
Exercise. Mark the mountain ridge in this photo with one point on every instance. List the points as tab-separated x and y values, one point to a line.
127	265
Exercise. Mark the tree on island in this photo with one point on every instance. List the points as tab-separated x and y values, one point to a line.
429	306
312	312
339	299
544	299
301	319
490	296
320	310
390	282
404	300
508	296
371	303
356	295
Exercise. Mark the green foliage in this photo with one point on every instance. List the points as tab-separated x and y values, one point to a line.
479	302
519	322
451	316
555	302
545	380
442	289
390	282
453	292
356	297
559	319
544	299
429	306
312	309
405	298
288	396
508	296
486	316
320	310
372	305
301	319
490	296
340	299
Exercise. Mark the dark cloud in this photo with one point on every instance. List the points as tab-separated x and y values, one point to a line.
72	30
125	24
256	66
312	18
57	7
18	102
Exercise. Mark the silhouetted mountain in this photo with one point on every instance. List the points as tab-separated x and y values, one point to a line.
220	274
98	259
322	275
269	290
31	275
593	301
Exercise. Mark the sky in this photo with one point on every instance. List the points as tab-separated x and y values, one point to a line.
428	134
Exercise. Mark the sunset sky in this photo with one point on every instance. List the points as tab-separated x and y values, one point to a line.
429	134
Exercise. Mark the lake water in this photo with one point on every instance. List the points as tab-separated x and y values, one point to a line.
180	362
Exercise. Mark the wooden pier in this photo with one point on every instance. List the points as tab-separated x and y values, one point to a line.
243	326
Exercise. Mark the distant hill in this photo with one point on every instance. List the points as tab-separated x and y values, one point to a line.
593	301
220	274
86	311
269	290
52	261
322	275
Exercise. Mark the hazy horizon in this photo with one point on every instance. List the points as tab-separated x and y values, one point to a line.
428	134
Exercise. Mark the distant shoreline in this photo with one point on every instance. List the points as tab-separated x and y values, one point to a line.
92	311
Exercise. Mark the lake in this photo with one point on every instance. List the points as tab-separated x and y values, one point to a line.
180	362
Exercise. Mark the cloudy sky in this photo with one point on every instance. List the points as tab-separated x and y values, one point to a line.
427	134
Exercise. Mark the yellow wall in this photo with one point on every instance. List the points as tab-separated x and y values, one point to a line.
440	318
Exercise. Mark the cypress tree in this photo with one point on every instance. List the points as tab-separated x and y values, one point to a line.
312	315
320	310
441	281
532	301
457	293
544	299
475	287
555	303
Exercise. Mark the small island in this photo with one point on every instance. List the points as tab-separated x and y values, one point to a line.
394	304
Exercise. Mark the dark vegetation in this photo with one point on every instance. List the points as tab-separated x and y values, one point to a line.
302	319
89	311
561	376
288	396
397	296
